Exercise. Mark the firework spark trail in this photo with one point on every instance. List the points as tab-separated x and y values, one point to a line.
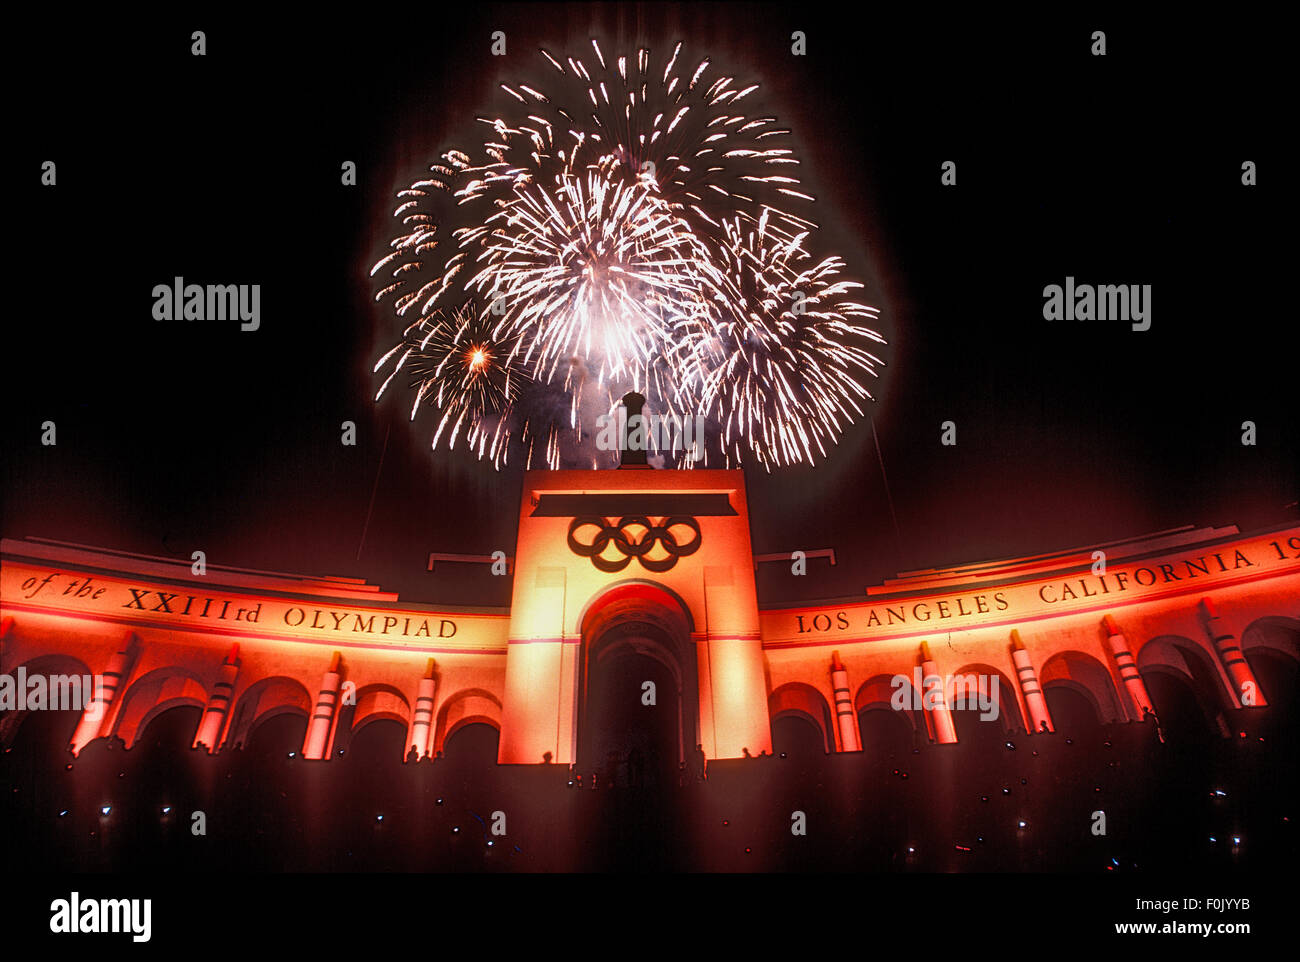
627	230
463	370
569	260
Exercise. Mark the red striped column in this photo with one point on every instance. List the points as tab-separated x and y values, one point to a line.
322	719
1128	671
945	732
1244	685
848	721
109	683
422	717
218	709
1029	687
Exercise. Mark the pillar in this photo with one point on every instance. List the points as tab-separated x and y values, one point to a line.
1244	685
729	659
322	719
422	717
848	720
1128	672
733	697
218	708
1029	687
109	683
935	701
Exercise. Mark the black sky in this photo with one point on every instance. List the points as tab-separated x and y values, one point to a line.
174	436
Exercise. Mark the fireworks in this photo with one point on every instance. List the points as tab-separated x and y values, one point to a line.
630	227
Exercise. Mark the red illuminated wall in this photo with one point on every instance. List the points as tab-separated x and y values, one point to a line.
244	645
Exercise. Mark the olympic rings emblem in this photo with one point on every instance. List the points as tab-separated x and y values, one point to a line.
630	544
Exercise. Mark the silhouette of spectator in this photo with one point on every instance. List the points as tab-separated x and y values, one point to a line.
546	758
746	751
701	771
1148	714
413	755
1042	726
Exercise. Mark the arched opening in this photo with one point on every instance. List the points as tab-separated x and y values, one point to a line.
1184	686
371	704
638	718
274	736
61	713
634	725
469	706
796	735
888	719
806	706
263	700
472	745
376	743
1271	647
1072	708
885	733
153	694
984	706
1080	690
1279	634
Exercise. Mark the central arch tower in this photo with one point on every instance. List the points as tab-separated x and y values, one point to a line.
656	562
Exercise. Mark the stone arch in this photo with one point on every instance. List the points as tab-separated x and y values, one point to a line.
1192	663
475	744
633	618
152	694
613	602
373	703
1192	666
806	702
964	684
50	666
1271	647
1274	632
1086	675
878	692
377	702
882	727
264	699
468	706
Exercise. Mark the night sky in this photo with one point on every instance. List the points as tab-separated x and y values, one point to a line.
1125	169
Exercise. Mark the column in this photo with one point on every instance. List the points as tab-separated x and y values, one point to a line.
729	660
111	681
935	701
1029	687
422	717
218	709
539	710
322	719
1128	672
848	720
1244	685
